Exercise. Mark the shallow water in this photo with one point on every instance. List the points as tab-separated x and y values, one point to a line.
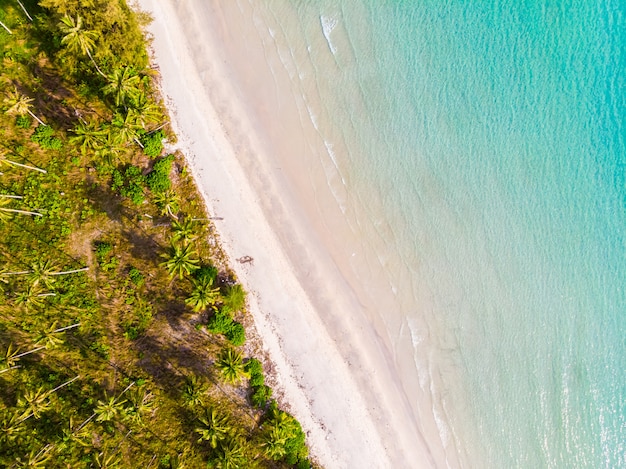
477	155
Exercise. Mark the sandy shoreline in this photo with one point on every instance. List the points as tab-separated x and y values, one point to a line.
331	367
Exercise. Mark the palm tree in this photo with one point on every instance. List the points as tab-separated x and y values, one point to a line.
203	295
183	230
230	455
193	391
88	135
214	427
167	202
230	364
107	411
10	425
32	296
123	129
34	402
273	443
145	111
35	460
141	402
123	83
20	104
51	337
181	260
77	39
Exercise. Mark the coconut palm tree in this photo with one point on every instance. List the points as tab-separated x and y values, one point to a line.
203	294
141	402
88	135
181	260
230	364
20	104
167	202
123	84
183	230
34	402
230	455
106	411
214	427
273	443
145	111
125	128
77	39
193	391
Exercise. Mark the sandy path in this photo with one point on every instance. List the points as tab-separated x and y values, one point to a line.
330	366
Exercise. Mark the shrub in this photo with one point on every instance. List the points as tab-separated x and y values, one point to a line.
136	276
129	183
261	395
44	136
153	143
255	369
158	180
236	334
104	255
235	298
206	273
220	323
23	122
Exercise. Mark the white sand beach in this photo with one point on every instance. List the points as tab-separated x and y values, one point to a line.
334	371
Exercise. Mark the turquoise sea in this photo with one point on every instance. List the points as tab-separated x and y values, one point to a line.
480	147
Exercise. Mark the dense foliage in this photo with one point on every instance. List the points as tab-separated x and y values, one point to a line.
121	327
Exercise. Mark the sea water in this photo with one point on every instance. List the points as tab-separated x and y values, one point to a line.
477	148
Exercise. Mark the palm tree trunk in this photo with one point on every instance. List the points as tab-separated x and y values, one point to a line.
7	196
24	165
66	328
27	14
96	65
5	27
25	212
23	354
70	271
35	117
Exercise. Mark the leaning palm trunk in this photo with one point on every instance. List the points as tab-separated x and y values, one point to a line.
25	11
24	212
95	64
70	271
35	117
23	165
5	27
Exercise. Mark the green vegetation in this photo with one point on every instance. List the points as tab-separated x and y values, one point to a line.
121	325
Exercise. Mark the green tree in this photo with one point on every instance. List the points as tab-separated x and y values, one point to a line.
184	230
89	136
230	364
77	39
230	455
203	295
167	202
123	84
20	105
214	428
194	391
181	260
109	410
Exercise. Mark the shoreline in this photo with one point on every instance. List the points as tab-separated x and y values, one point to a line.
292	275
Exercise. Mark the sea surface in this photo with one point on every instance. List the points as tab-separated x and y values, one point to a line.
478	151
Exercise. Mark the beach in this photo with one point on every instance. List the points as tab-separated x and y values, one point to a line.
334	371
